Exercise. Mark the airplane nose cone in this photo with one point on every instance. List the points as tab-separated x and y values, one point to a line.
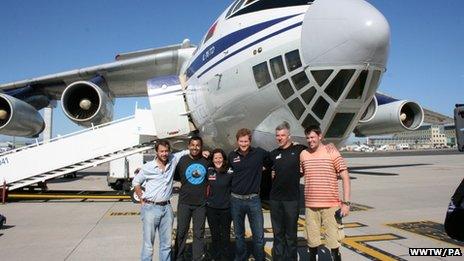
344	32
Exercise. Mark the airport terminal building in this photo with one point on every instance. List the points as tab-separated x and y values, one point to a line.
427	136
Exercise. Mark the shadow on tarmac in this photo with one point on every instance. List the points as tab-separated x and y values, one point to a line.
5	227
358	170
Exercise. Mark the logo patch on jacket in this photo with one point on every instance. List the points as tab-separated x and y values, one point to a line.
212	176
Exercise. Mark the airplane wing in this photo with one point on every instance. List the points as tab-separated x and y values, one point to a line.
125	77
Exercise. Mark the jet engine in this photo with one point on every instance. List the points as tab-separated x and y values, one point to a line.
87	102
370	111
18	118
392	117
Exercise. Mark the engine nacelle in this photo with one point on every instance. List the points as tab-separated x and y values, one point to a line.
391	118
87	102
18	118
370	111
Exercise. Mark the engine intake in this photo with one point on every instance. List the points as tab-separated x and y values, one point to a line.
18	118
391	118
370	111
87	102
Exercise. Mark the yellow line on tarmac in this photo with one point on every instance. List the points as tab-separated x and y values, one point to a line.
354	243
353	225
35	196
427	229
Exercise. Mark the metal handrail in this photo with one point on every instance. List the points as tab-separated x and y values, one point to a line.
37	143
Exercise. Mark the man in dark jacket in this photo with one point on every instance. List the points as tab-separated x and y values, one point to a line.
247	164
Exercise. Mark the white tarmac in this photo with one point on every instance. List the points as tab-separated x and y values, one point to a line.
398	190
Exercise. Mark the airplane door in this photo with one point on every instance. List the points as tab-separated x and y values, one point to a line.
459	125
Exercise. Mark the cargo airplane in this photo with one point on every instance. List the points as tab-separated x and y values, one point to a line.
309	62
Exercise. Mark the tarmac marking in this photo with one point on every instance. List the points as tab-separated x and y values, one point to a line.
359	245
353	225
427	229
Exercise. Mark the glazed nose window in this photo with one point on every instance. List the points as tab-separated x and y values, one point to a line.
293	60
261	73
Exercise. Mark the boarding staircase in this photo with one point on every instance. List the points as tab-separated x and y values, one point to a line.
42	161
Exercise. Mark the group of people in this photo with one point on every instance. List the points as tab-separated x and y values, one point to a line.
222	189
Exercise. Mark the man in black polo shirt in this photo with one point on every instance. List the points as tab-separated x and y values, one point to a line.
285	194
247	164
191	171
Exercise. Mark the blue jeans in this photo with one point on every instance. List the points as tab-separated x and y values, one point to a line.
161	218
251	208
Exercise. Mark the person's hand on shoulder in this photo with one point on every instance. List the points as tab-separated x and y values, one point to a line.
206	154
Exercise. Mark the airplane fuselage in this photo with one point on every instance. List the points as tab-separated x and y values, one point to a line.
256	68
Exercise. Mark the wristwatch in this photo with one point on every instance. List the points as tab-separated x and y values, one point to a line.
346	203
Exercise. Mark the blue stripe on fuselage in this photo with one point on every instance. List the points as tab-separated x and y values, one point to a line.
229	40
251	44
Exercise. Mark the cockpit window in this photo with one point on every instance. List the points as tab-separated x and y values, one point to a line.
251	6
239	4
232	7
249	2
211	31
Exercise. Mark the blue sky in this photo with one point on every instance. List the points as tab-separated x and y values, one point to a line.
426	62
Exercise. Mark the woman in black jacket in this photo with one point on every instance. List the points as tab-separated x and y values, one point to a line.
218	205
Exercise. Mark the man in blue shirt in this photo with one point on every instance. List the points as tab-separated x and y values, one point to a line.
156	211
247	164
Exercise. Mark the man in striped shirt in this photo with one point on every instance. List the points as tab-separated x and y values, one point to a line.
321	169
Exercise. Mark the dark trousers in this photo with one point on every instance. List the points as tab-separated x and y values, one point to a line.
251	208
284	218
219	224
184	214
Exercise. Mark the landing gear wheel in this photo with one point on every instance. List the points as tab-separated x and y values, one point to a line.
71	175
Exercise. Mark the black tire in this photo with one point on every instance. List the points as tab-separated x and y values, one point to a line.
117	185
71	175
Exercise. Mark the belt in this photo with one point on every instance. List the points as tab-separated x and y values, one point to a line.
161	203
249	196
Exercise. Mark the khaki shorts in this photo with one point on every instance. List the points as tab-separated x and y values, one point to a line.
317	218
